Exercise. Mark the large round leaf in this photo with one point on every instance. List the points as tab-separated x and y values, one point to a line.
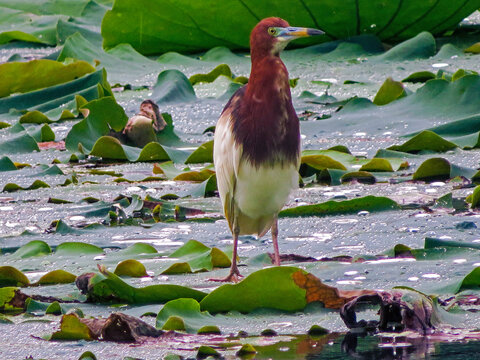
187	25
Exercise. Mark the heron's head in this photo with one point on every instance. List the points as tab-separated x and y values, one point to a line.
271	36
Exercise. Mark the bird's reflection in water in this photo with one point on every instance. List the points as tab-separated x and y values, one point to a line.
367	347
390	348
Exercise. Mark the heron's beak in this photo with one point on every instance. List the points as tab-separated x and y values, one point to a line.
291	33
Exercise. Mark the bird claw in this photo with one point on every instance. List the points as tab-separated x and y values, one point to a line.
234	276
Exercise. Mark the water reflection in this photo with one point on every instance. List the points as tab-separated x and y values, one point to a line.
366	347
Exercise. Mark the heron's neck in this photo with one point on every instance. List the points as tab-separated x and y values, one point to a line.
265	122
269	79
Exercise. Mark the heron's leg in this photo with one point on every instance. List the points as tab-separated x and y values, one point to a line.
275	241
234	274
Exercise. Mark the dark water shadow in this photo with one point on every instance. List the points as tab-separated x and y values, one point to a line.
364	347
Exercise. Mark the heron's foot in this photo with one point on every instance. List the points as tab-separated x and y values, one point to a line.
276	259
234	276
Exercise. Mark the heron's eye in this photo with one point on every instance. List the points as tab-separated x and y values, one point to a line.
272	31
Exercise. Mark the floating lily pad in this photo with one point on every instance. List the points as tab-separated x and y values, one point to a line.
194	257
10	276
367	203
22	77
186	310
131	267
158	33
389	91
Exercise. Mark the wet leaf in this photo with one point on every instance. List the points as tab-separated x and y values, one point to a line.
475	203
90	86
220	70
22	77
471	281
77	248
390	90
131	267
32	249
426	140
363	177
103	114
6	164
390	22
71	328
7	295
377	164
419	77
183	315
310	164
206	189
10	276
56	277
37	184
203	154
367	203
421	45
440	169
473	49
195	176
194	257
172	86
108	287
87	355
279	291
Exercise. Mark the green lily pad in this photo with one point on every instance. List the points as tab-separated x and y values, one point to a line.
377	164
195	176
32	249
367	203
425	141
56	277
220	70
110	148
77	248
130	267
22	77
123	63
7	294
471	281
37	184
71	328
475	203
311	164
10	276
172	86
153	29
108	287
420	46
186	310
419	77
6	164
195	257
203	154
205	189
473	49
103	114
90	86
272	288
363	177
389	91
436	101
440	169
